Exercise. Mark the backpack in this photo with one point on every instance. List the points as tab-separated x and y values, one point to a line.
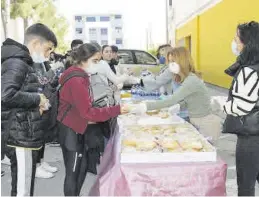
52	94
103	93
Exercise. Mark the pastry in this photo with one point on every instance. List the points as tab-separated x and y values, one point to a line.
129	142
153	112
170	144
163	115
145	145
197	146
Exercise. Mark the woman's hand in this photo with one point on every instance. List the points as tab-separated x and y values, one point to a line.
124	109
175	109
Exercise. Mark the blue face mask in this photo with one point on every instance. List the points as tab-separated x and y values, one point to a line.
162	60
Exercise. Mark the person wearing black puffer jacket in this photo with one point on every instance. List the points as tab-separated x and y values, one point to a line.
22	105
242	107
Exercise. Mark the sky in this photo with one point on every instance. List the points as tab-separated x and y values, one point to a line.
139	16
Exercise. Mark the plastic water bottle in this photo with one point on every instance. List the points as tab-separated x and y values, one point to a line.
157	95
133	91
137	94
141	93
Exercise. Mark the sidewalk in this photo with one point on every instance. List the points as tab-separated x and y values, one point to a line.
54	186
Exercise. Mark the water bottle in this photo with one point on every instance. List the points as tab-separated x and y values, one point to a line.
145	94
137	94
133	92
149	95
156	95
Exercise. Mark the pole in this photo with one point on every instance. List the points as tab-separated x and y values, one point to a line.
147	38
166	19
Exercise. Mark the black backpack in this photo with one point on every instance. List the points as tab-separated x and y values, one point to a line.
52	94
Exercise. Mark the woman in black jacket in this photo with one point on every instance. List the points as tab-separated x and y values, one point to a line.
242	107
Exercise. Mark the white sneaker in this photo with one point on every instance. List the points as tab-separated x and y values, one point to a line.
43	174
49	168
6	161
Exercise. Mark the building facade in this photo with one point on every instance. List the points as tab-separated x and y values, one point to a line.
207	28
103	29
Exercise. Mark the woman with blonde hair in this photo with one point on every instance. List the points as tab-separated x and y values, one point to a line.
192	95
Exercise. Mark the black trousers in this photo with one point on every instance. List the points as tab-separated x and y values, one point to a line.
76	170
23	169
41	154
247	164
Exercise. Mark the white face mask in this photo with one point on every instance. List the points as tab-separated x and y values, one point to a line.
91	68
38	58
174	68
234	48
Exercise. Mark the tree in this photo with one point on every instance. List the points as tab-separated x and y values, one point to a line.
5	15
58	23
26	9
40	11
153	51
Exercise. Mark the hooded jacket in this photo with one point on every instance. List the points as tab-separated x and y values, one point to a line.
22	123
77	95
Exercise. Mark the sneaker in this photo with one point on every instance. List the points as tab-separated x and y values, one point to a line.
49	168
6	161
2	173
43	174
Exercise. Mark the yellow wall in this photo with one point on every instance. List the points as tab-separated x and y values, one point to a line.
212	33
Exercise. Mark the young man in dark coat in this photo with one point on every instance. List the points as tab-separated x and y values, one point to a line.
23	104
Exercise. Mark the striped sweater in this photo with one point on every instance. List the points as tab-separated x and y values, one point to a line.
244	93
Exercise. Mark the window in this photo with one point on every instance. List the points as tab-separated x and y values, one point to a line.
145	58
125	57
79	30
90	19
117	16
104	31
104	42
104	18
78	18
93	41
118	29
118	41
92	31
170	3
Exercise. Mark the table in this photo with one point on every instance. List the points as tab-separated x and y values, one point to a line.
169	179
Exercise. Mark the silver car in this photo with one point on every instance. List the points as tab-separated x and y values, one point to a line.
138	61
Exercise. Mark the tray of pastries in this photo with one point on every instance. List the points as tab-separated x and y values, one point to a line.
178	143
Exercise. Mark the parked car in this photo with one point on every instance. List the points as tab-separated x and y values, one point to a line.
137	61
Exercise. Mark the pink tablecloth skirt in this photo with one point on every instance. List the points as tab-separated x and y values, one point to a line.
169	179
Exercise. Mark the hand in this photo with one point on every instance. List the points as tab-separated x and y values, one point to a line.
41	111
174	109
43	100
120	86
139	109
133	80
124	109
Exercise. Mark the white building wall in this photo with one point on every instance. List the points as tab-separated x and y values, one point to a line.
112	27
16	30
